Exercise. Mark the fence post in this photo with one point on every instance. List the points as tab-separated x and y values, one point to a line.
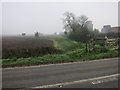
105	44
118	43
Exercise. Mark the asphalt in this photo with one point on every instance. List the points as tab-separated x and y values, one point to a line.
32	77
110	84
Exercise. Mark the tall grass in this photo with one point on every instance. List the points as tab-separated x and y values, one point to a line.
63	43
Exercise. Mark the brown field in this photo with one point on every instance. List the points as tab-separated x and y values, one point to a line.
26	47
25	42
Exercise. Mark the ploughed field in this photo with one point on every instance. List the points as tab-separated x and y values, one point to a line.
26	47
25	42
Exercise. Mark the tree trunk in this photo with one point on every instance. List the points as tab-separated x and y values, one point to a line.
119	44
86	47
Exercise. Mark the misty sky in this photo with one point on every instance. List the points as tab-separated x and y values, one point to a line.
46	17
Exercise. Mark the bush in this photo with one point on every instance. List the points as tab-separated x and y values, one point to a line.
100	49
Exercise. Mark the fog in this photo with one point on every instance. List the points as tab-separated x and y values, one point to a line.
46	17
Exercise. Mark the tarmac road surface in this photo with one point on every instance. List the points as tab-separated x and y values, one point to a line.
102	73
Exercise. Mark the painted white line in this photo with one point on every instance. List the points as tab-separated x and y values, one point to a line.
60	63
78	81
104	80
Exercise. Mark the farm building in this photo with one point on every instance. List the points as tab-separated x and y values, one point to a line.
89	25
108	28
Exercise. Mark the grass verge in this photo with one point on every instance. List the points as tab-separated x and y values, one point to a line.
77	55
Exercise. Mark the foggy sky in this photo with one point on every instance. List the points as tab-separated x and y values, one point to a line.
46	17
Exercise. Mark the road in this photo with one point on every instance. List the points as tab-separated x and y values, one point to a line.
101	73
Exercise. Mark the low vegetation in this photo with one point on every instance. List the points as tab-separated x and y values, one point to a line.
63	43
78	55
75	55
64	50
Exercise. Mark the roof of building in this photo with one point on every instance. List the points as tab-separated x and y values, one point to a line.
116	27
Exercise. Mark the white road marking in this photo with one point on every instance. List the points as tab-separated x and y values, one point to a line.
59	64
104	80
79	81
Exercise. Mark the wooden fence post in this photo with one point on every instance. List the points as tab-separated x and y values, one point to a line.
118	43
105	44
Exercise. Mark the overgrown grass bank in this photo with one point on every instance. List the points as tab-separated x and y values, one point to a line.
63	43
77	55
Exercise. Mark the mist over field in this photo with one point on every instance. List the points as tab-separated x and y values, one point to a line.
38	29
46	17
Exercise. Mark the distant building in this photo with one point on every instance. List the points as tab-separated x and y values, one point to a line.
108	28
89	25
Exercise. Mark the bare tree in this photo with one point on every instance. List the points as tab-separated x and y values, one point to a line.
82	20
76	27
70	22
